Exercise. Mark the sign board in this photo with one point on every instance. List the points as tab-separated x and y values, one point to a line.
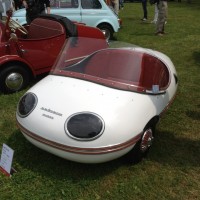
6	159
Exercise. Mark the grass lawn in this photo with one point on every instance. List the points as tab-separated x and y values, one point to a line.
172	169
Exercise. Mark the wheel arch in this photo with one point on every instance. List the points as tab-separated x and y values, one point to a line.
107	24
135	155
152	123
108	28
19	63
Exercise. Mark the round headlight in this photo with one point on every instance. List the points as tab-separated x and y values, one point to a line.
27	104
84	126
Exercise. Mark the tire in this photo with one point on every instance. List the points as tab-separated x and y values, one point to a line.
13	78
107	30
141	148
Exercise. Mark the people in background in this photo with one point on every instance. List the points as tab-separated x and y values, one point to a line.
18	4
162	17
121	4
114	4
144	7
155	14
35	7
1	9
5	5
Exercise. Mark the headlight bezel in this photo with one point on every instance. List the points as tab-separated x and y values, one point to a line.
30	109
67	131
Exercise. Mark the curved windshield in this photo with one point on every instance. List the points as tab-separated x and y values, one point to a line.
122	68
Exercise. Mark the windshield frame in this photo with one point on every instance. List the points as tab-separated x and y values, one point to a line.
79	61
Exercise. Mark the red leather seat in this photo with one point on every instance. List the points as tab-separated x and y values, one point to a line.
43	28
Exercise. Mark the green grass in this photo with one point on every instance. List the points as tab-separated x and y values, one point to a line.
172	169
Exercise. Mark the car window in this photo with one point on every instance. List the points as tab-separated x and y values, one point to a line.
64	3
91	4
125	69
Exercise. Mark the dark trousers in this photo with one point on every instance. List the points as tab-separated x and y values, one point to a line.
144	6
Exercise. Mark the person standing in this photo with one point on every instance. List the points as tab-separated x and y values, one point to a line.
162	17
5	5
121	4
1	9
35	7
155	14
144	7
115	4
18	4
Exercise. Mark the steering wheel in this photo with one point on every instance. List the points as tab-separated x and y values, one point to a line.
17	26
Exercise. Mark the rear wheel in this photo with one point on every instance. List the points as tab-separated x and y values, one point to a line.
13	78
141	148
107	31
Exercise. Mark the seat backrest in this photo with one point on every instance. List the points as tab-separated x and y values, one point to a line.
118	65
97	66
125	66
43	28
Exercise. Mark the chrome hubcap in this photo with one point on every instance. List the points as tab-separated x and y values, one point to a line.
147	140
106	33
14	81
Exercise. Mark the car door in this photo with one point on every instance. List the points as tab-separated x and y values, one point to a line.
92	12
41	53
67	8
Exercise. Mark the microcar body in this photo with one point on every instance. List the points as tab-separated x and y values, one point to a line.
99	107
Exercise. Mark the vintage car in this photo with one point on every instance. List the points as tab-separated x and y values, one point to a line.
99	107
26	52
93	13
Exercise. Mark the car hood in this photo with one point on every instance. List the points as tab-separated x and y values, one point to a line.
124	113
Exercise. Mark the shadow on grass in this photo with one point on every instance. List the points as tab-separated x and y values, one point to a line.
195	115
27	156
175	151
167	150
196	56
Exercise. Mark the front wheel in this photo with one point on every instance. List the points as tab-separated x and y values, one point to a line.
141	148
107	31
13	78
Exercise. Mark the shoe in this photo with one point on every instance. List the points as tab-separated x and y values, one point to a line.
159	34
144	19
153	22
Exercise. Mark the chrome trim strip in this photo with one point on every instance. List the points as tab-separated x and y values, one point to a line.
78	150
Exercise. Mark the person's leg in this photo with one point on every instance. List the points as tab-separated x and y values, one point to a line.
156	12
145	9
161	18
166	11
116	6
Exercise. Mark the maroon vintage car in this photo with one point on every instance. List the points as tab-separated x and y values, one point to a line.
28	51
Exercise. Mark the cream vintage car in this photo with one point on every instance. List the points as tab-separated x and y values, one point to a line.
99	106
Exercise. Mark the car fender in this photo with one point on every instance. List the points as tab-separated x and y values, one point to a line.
107	20
110	18
15	59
